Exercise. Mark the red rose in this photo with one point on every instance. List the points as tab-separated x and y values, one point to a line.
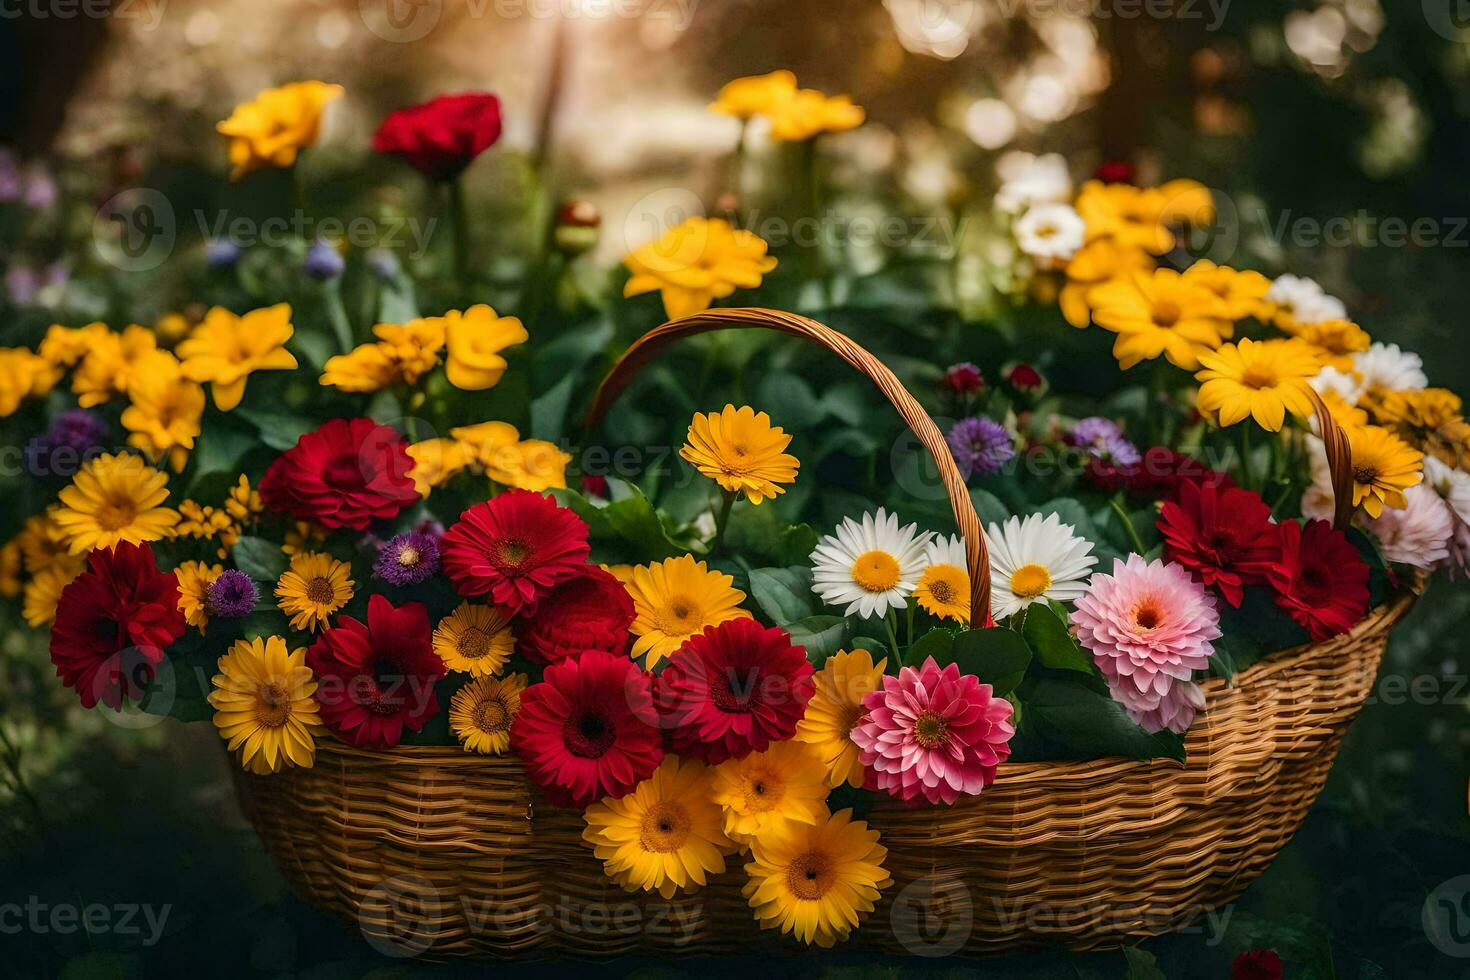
347	473
113	624
594	485
514	549
1116	172
443	136
1225	537
375	679
1256	964
1320	579
590	612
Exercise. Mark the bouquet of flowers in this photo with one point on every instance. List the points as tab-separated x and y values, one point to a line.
326	532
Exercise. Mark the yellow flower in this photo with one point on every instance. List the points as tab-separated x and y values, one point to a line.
1186	202
110	363
1419	417
741	451
368	367
1384	466
1095	264
269	130
810	113
481	712
697	262
764	792
205	523
1334	341
301	536
414	347
64	347
10	565
435	462
43	543
1346	415
312	588
476	337
243	503
1131	216
754	95
226	349
836	708
195	578
264	705
43	592
22	375
1257	379
534	464
1241	290
166	408
665	835
816	881
1160	313
944	591
678	598
484	441
474	639
114	498
172	328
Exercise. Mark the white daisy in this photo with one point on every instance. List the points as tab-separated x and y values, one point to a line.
1418	534
1304	300
1050	234
1038	558
1451	484
1347	385
1027	180
871	567
1386	366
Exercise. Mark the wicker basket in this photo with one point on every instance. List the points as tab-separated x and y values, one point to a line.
434	852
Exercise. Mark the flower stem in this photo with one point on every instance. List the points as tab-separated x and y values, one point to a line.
888	622
909	625
722	519
1117	504
459	214
337	314
1247	476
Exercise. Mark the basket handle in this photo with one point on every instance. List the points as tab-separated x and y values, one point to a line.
650	344
1339	461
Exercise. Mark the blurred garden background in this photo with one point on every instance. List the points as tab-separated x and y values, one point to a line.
1335	133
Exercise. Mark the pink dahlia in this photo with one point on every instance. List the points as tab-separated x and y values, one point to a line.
933	733
1149	626
1174	710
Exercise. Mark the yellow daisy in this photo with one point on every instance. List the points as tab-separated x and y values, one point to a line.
195	578
475	339
665	835
1421	417
22	375
164	417
270	129
697	262
64	347
754	95
474	639
534	464
312	588
836	708
944	588
435	462
303	536
741	451
263	705
365	368
484	441
817	881
110	362
808	113
10	566
1384	466
43	592
481	712
226	349
1160	313
1241	290
43	543
1097	263
764	792
1260	379
414	347
1334	341
1131	216
1186	202
678	598
243	503
114	498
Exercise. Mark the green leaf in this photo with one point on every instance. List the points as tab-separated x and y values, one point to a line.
1142	965
998	656
821	635
989	507
260	559
1091	723
937	643
631	524
549	409
789	400
278	430
1052	643
783	594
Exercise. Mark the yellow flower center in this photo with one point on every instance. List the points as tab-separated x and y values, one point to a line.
408	557
510	555
474	643
1259	376
875	571
1365	474
273	705
851	715
809	875
319	591
1030	581
115	514
491	716
763	792
665	828
679	616
1166	313
930	730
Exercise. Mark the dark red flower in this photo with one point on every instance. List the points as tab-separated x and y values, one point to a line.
1116	172
377	678
1319	578
1023	378
1256	964
1161	471
514	549
732	690
588	730
964	379
1225	537
346	473
443	136
594	485
113	624
589	612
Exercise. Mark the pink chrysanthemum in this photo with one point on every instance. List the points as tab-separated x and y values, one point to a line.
1149	625
933	733
1174	710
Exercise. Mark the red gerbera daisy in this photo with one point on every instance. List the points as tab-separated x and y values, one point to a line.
1162	471
376	679
588	730
1320	579
591	611
733	690
514	549
346	473
1223	536
113	624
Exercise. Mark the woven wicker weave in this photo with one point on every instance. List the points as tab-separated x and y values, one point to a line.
436	852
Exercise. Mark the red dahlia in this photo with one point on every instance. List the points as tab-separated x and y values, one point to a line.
376	679
443	136
346	473
1162	471
113	624
1225	537
732	690
1257	964
588	730
1319	578
515	549
589	612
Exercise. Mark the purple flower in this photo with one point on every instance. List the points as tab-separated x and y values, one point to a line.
382	263
40	190
322	261
222	253
232	595
1093	431
1117	451
980	446
408	559
10	179
74	436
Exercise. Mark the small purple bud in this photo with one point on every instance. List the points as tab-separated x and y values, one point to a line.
232	595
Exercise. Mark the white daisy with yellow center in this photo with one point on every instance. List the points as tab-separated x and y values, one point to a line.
870	567
1036	558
